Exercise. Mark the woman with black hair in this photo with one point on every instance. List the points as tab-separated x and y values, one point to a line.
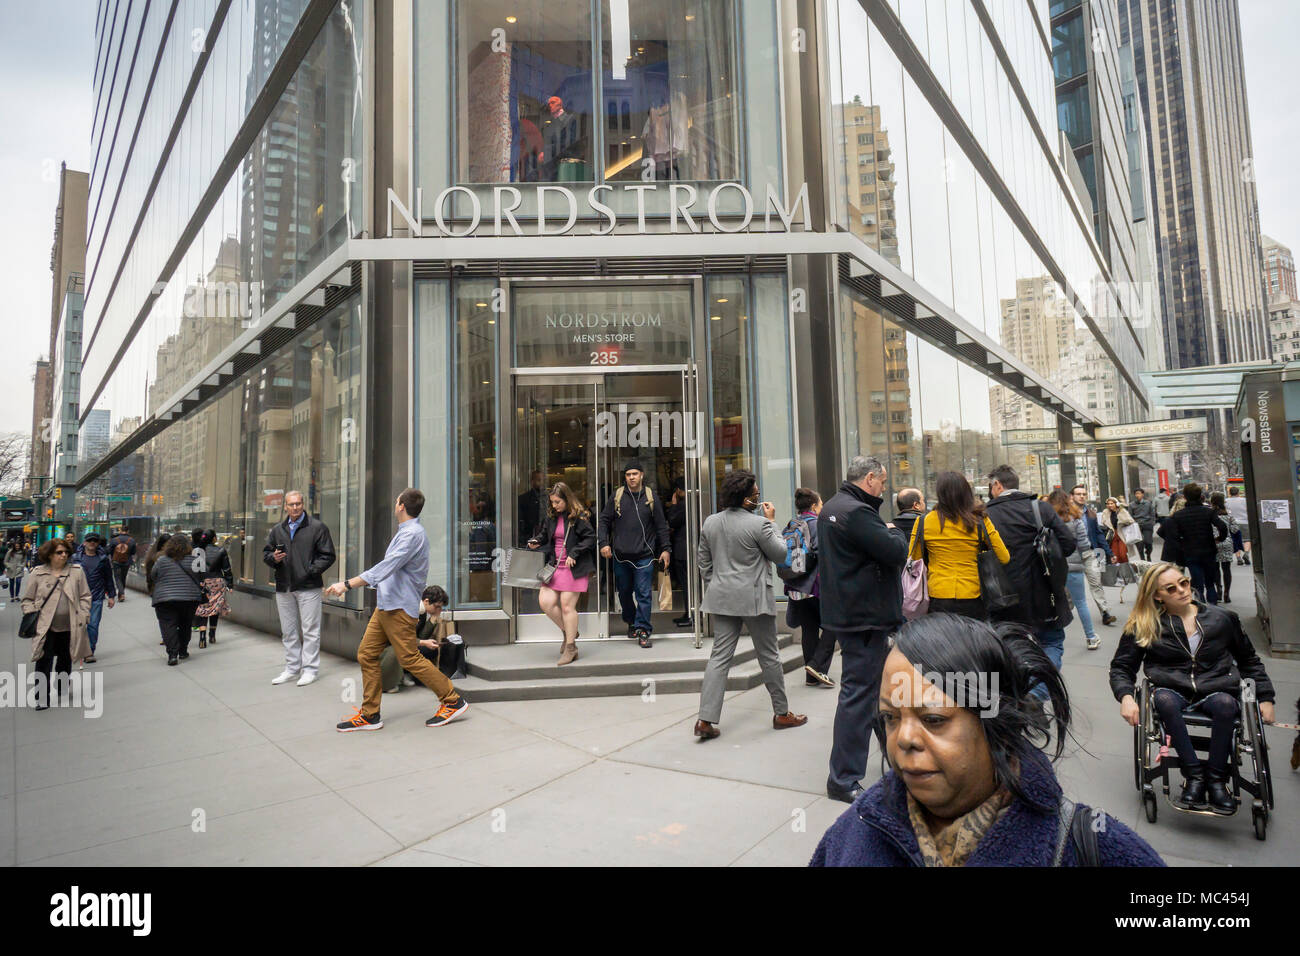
213	581
175	591
949	539
969	783
737	547
1226	547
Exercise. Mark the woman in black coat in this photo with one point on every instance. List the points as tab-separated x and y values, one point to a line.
1194	656
568	542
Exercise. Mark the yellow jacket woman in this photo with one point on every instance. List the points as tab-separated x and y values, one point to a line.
951	534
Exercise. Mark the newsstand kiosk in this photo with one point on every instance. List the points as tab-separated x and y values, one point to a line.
1268	415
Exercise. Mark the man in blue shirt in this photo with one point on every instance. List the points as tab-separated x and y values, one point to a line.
99	575
399	580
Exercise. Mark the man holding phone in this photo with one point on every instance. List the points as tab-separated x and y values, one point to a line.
299	550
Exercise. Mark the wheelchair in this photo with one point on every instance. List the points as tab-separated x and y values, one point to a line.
1248	760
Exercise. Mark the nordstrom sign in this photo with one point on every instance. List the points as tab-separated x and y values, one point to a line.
688	209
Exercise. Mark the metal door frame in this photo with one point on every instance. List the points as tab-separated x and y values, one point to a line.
686	391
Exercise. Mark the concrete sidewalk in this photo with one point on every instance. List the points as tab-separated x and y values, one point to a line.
208	764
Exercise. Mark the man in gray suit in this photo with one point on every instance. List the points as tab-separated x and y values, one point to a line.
736	548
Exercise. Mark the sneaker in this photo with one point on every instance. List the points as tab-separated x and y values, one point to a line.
392	690
631	632
307	678
359	721
643	637
408	680
446	714
1094	643
284	678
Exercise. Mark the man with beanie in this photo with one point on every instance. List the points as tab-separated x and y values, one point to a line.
632	530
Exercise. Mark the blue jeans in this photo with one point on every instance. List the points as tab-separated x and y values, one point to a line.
92	629
1052	641
1204	573
1078	587
15	588
630	575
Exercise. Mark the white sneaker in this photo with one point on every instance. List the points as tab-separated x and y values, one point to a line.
307	678
285	677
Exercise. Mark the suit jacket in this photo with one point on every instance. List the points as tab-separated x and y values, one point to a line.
736	547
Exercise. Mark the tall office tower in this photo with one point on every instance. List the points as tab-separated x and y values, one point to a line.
1188	62
1279	268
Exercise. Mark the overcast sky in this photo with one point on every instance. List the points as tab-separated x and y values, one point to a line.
46	57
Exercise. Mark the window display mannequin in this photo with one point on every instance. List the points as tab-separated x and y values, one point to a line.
564	159
666	135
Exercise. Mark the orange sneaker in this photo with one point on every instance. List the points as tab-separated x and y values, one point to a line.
359	721
447	713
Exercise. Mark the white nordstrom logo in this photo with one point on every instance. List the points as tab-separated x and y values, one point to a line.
75	909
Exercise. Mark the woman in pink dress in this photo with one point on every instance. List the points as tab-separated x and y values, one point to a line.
568	542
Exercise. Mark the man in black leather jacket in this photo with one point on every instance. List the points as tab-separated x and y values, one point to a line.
300	550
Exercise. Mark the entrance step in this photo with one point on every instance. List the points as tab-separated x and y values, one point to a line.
609	669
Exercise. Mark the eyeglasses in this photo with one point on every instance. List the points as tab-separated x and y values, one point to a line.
1179	585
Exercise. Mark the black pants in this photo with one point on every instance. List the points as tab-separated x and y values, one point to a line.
119	578
1219	707
1225	579
56	657
818	645
1144	546
174	621
15	588
1204	572
862	659
966	607
208	622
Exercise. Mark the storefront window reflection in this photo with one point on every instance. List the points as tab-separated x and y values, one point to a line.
727	303
475	508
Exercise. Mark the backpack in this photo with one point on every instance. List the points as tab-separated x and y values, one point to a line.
800	568
618	499
1055	568
120	552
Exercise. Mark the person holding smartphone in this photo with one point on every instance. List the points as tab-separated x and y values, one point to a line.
299	550
737	546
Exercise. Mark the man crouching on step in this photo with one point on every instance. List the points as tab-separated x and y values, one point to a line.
399	579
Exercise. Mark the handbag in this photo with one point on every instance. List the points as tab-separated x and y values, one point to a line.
27	627
1131	533
916	578
996	589
545	573
520	568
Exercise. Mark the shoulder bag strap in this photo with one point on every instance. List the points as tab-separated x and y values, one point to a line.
982	534
1064	819
1084	837
58	586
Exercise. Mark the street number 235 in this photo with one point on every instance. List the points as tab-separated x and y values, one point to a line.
604	357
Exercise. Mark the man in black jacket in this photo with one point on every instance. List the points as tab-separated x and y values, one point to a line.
1144	513
909	504
1044	607
632	530
1196	531
675	514
299	550
121	552
860	563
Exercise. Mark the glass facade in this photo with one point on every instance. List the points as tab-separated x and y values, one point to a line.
484	377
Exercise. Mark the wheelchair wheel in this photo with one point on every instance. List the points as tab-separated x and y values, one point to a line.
1150	806
1259	816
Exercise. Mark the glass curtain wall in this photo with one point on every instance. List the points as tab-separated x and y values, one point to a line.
295	196
293	424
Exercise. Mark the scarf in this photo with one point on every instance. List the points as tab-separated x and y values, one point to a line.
954	844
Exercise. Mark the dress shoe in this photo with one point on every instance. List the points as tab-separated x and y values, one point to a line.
1221	800
845	796
788	719
1193	795
706	730
1108	619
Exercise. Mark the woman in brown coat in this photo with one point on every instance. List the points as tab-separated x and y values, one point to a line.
57	588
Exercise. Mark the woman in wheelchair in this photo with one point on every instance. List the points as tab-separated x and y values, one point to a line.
1194	656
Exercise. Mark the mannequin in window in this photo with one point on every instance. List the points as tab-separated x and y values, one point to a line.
666	135
564	159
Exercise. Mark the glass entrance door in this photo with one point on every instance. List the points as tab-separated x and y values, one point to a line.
580	430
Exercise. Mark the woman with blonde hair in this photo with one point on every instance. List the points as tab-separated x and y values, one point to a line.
568	543
1194	656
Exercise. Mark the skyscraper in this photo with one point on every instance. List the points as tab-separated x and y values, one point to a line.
1190	78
